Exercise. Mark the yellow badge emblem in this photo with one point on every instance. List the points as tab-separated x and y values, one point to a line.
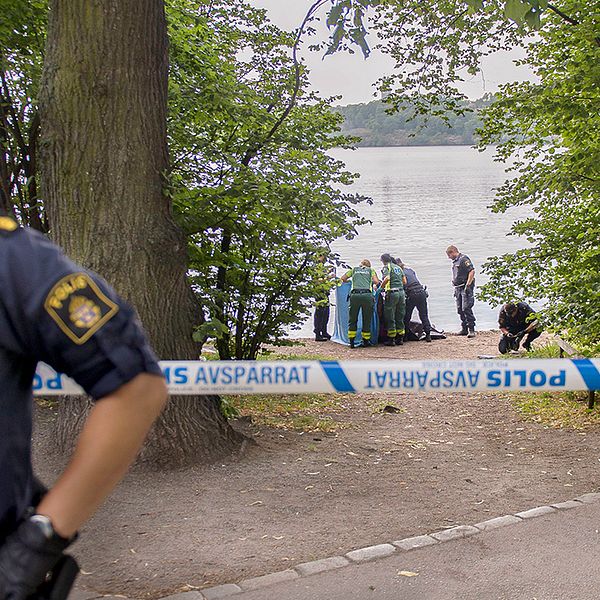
79	307
7	224
83	312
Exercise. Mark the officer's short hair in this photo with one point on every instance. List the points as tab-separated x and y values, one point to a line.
387	258
510	307
399	262
451	248
365	262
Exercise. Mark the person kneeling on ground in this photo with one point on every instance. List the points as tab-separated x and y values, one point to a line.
361	300
517	320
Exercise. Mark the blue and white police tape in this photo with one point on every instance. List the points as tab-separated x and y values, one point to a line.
299	377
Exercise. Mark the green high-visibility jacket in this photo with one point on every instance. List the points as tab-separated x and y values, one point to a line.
396	276
362	278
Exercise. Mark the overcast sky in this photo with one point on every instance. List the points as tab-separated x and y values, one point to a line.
351	76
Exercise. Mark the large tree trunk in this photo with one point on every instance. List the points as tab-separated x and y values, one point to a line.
103	158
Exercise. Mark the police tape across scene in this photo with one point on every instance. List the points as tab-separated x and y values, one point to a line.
299	377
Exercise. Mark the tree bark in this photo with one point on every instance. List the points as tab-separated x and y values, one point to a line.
103	159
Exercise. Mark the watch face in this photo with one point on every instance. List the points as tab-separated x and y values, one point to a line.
44	524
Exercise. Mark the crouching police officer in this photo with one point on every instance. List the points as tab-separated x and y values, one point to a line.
51	310
517	320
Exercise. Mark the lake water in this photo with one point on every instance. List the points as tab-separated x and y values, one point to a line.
424	199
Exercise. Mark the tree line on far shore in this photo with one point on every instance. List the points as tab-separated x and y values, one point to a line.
373	123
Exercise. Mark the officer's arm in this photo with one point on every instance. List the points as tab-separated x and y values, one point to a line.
108	444
346	276
375	278
471	277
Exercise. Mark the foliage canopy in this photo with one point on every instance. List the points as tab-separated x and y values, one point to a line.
252	182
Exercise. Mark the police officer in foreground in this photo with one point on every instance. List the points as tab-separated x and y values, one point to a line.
416	297
51	310
517	320
463	280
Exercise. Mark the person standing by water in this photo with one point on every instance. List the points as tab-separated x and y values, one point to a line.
394	303
463	280
363	278
321	317
416	297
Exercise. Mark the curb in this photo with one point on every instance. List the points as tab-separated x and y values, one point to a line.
367	554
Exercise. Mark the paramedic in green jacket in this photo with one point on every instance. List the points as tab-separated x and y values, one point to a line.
361	300
395	301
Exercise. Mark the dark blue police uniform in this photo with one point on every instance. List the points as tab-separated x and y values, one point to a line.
464	294
54	311
416	296
516	324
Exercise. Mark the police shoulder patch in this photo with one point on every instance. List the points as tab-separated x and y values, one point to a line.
79	307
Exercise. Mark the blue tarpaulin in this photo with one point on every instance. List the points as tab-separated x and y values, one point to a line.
342	313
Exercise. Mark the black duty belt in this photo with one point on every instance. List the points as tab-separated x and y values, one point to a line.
415	287
393	290
360	291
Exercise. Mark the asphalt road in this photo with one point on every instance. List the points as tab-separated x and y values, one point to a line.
552	557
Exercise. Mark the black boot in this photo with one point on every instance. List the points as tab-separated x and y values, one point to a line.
351	342
428	337
463	331
388	341
399	340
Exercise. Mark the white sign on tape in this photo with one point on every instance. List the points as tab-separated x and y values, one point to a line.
298	377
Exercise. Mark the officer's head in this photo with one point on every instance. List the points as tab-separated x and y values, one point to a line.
399	262
452	252
510	308
386	259
365	262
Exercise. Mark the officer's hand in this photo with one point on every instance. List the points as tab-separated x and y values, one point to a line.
26	557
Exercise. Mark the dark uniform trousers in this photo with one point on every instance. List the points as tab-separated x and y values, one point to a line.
465	299
321	319
417	298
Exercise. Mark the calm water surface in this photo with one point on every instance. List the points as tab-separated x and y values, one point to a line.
424	199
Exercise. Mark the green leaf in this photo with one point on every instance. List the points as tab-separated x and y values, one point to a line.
475	4
515	10
532	18
334	15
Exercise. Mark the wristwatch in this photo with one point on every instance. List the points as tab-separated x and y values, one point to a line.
44	524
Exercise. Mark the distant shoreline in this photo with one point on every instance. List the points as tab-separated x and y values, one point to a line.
360	145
